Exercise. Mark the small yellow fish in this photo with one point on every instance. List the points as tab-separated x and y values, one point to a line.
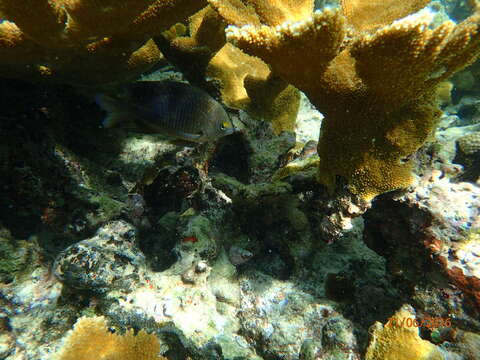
175	109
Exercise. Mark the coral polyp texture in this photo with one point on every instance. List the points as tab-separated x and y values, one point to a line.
243	81
399	340
367	15
84	41
373	79
247	83
91	338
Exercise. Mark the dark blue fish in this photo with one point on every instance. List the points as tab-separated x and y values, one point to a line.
175	109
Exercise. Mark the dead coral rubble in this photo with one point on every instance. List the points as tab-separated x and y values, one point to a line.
84	41
374	86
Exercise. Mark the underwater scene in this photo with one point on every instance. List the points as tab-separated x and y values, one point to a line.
239	180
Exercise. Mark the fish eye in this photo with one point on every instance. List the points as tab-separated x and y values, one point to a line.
224	125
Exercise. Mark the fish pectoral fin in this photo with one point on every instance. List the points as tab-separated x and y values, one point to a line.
190	136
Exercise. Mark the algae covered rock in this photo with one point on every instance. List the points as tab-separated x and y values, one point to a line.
284	321
108	260
198	238
15	256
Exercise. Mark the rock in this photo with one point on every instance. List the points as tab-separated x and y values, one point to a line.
280	318
108	260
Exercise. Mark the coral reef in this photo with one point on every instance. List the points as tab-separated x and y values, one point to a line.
84	42
14	256
399	341
454	232
242	81
247	83
273	320
374	88
431	221
469	144
375	14
191	51
232	249
223	250
91	338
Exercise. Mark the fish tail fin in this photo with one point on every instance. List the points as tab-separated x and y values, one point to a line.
116	113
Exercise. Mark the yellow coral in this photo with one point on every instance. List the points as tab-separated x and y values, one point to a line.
90	339
85	41
175	31
296	167
376	89
288	48
247	83
443	93
399	340
230	66
274	100
256	12
367	15
191	52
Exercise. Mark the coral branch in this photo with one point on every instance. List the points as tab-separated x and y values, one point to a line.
375	88
42	20
367	15
96	18
85	41
281	46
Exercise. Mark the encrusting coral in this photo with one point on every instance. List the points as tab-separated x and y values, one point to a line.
91	339
398	339
84	41
376	87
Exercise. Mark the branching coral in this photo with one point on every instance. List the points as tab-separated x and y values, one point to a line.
247	83
192	52
367	15
84	41
90	339
244	82
375	87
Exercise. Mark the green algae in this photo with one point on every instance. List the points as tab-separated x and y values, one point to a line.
15	257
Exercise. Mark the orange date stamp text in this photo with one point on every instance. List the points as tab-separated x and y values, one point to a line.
428	322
